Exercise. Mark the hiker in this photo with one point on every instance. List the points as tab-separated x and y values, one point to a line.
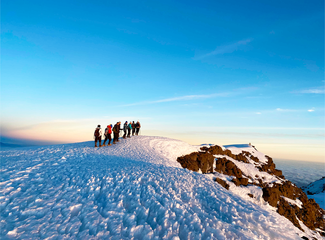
98	136
129	129
107	134
137	128
116	132
133	128
125	128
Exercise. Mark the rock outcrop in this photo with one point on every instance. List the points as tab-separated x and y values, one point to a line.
222	183
196	161
293	203
289	200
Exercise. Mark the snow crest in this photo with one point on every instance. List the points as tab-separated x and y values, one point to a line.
132	190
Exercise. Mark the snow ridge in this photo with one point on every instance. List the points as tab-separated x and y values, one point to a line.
132	190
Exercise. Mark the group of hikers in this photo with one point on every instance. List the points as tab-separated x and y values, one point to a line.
127	129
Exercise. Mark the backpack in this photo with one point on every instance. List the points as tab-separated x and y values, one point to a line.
115	128
106	131
109	130
97	132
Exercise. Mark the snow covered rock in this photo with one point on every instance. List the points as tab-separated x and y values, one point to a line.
132	190
244	169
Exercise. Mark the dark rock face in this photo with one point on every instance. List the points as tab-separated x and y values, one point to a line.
225	166
244	157
243	181
287	211
270	168
217	150
222	183
196	161
189	161
206	161
310	213
240	181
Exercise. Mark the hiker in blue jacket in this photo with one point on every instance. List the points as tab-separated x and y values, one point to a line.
129	129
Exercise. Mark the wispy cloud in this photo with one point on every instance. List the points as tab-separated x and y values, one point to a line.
296	110
316	90
181	98
285	110
229	48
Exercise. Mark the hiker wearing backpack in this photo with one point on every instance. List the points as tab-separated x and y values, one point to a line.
129	129
98	136
116	132
107	134
125	127
137	128
133	128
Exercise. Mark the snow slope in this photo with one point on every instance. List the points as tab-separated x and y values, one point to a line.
316	190
132	190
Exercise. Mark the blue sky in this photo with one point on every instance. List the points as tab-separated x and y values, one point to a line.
203	72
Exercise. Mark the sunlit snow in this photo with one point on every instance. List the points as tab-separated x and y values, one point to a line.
134	189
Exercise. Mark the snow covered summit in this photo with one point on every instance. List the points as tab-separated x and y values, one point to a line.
132	190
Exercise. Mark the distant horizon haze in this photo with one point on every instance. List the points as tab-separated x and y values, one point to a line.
277	150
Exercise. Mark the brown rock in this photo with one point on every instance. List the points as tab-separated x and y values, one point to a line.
225	166
222	183
240	181
310	213
287	211
235	181
214	150
243	181
206	161
196	161
271	195
189	161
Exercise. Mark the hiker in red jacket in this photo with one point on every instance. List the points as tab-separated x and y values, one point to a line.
108	132
98	136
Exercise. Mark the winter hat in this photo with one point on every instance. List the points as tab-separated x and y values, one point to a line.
111	125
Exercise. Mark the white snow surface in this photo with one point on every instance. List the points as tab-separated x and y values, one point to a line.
317	190
239	148
132	190
316	187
